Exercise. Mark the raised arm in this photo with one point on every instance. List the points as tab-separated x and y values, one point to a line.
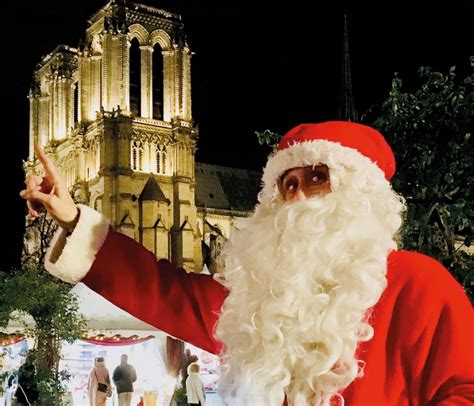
184	305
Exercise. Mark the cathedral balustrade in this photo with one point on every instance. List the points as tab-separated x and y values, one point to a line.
150	121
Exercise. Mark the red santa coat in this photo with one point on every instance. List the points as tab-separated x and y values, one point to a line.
421	352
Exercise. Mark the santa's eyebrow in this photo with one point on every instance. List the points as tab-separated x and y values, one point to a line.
282	176
320	164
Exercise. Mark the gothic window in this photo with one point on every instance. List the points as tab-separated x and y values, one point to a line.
140	158
157	62
158	160
90	165
76	102
94	162
137	156
134	155
90	160
135	77
163	160
97	158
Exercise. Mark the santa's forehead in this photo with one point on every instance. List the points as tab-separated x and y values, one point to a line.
319	165
339	159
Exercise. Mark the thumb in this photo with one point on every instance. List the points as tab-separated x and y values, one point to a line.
35	196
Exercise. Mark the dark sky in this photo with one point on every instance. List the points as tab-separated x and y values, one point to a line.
256	66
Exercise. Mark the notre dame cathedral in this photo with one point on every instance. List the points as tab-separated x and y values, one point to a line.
115	115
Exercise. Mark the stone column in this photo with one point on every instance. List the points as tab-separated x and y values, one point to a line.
70	108
168	85
178	82
115	72
124	72
186	84
84	87
89	87
106	68
34	123
43	125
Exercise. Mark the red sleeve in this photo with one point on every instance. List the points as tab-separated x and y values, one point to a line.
441	334
184	305
449	368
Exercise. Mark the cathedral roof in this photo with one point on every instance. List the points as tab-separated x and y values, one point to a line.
152	191
221	187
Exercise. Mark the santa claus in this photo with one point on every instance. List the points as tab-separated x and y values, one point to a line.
314	303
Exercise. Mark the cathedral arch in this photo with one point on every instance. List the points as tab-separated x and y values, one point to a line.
138	32
161	38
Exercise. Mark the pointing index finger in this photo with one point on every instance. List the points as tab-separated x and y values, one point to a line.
48	165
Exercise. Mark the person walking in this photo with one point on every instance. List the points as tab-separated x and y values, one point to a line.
194	387
99	385
124	376
27	392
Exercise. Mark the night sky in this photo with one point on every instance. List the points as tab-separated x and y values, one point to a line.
256	66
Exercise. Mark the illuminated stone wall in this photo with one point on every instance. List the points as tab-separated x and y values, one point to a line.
94	115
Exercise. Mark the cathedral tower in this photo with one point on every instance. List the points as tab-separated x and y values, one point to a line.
115	115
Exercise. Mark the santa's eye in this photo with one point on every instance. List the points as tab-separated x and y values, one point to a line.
318	177
291	185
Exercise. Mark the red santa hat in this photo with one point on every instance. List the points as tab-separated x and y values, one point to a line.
333	143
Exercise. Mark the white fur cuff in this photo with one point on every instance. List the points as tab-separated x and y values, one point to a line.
70	257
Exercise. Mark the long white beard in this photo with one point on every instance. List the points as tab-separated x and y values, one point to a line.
302	278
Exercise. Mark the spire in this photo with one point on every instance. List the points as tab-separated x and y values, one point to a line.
346	110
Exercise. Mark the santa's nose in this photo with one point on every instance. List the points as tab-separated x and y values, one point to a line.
298	196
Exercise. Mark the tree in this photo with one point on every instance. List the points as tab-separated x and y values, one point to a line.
32	291
429	129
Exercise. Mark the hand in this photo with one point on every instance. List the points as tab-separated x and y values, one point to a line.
50	192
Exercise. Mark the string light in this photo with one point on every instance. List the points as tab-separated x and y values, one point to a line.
115	338
10	339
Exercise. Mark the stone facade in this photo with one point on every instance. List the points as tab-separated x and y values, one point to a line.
124	141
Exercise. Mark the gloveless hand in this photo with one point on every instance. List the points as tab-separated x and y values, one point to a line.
50	192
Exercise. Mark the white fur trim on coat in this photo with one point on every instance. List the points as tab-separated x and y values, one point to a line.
70	257
307	153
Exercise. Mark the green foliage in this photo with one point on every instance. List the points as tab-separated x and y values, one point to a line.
430	131
31	291
180	396
268	137
45	298
51	386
